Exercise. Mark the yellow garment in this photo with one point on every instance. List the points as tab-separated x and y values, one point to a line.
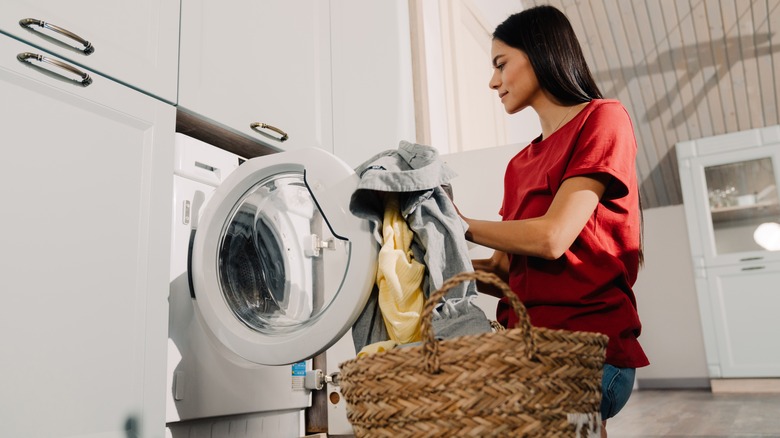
399	277
377	347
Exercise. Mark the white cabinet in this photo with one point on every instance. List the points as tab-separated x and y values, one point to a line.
730	191
329	74
246	62
134	42
373	101
84	253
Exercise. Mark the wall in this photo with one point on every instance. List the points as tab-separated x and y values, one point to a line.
478	191
668	306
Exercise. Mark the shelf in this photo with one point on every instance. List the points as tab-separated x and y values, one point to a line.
756	206
740	215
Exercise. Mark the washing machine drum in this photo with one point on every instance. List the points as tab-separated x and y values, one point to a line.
254	273
280	268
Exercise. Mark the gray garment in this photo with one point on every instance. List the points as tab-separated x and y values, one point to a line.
415	172
369	327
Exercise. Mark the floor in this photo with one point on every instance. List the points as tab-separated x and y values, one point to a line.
700	413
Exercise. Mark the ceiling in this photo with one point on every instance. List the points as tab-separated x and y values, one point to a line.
683	69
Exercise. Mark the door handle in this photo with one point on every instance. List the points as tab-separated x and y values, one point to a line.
27	56
257	126
88	47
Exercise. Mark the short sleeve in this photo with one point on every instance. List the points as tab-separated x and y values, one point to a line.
606	145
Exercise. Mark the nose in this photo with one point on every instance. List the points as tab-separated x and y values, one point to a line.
495	80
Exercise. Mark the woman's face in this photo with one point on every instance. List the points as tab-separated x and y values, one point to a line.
513	77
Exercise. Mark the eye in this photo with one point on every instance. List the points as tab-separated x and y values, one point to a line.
500	67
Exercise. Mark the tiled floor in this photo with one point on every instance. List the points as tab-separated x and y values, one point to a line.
688	413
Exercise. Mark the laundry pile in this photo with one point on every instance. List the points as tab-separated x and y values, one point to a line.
421	237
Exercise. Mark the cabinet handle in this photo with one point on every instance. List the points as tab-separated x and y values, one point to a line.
25	57
748	259
257	126
753	268
88	47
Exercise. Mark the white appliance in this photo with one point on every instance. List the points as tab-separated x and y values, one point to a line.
268	269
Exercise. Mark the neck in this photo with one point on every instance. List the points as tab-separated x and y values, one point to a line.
556	116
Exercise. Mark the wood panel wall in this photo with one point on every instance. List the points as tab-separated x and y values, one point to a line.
684	69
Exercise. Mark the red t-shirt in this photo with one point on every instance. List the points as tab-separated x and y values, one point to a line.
589	288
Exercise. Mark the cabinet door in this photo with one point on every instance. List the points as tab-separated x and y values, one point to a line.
373	99
84	254
745	302
135	42
264	62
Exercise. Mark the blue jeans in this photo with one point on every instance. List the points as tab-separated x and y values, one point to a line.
616	386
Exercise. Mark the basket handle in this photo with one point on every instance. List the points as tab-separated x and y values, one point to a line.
431	344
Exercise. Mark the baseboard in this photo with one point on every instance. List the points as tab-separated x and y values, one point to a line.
675	383
754	386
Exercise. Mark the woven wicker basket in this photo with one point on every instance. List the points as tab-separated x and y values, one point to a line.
526	381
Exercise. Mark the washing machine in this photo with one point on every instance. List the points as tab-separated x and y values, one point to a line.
268	269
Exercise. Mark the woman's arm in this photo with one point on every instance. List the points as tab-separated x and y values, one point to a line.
550	235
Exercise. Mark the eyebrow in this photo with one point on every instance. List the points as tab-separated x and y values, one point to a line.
495	60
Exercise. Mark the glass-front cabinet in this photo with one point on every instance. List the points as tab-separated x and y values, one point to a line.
731	198
732	207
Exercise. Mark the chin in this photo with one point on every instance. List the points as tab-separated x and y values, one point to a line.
514	109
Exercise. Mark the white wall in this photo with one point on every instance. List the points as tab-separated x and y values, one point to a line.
478	191
668	306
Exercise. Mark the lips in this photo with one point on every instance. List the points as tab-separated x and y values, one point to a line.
501	95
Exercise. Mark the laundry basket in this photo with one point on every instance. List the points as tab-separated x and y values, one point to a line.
525	381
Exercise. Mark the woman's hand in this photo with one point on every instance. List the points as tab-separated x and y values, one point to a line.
497	264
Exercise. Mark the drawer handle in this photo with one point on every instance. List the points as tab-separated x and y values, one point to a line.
753	268
26	56
88	47
257	126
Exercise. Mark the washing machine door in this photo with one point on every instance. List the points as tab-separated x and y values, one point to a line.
280	268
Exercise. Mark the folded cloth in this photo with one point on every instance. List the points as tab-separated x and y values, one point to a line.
417	175
399	277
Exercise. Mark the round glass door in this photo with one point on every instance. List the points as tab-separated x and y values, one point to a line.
280	268
264	276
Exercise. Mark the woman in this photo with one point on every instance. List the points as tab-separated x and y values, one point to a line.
569	243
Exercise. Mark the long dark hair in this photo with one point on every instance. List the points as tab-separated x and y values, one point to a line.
546	36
